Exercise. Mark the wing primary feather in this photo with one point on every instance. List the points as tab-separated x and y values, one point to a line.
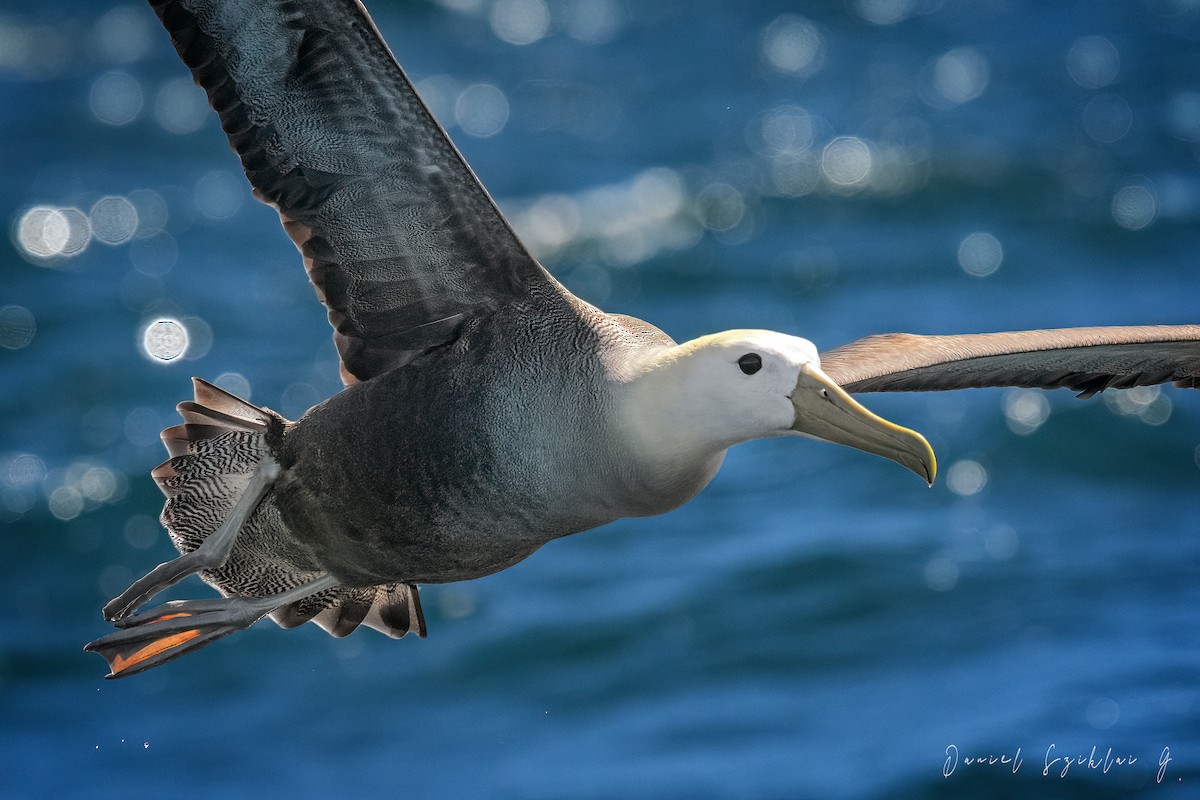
396	231
1086	360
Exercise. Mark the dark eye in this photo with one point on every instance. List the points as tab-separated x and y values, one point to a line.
750	363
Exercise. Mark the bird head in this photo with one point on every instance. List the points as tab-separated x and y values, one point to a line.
716	391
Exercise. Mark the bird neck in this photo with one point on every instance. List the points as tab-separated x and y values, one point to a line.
669	455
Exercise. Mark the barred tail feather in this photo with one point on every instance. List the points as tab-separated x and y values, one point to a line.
392	609
213	454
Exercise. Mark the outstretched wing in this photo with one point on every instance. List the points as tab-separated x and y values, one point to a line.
401	242
1086	360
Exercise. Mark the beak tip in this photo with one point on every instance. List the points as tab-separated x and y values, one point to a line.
930	466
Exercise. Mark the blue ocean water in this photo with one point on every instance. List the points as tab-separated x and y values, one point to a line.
816	623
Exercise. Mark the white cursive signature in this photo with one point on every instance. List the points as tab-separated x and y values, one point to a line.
1056	763
952	760
1090	761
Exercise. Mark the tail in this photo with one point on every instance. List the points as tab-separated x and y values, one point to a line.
213	454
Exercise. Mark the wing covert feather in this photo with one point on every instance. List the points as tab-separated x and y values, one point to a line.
400	240
1086	360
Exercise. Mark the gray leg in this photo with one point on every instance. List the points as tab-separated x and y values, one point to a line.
179	627
211	553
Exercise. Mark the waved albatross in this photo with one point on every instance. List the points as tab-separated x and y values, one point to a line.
487	410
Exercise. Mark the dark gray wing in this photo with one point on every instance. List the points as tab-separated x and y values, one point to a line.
1087	360
401	242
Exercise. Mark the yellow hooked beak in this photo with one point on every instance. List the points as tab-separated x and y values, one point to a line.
824	411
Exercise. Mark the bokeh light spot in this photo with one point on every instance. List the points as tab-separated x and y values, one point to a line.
793	45
235	383
1134	206
846	161
180	106
593	21
941	574
66	503
218	195
164	340
142	427
156	256
114	220
720	206
23	470
45	232
1183	116
966	477
124	34
1001	542
481	110
17	327
520	21
1103	713
980	254
1147	403
116	98
151	210
884	12
961	75
1093	62
1025	410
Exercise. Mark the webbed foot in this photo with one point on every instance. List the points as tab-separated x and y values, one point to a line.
182	626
